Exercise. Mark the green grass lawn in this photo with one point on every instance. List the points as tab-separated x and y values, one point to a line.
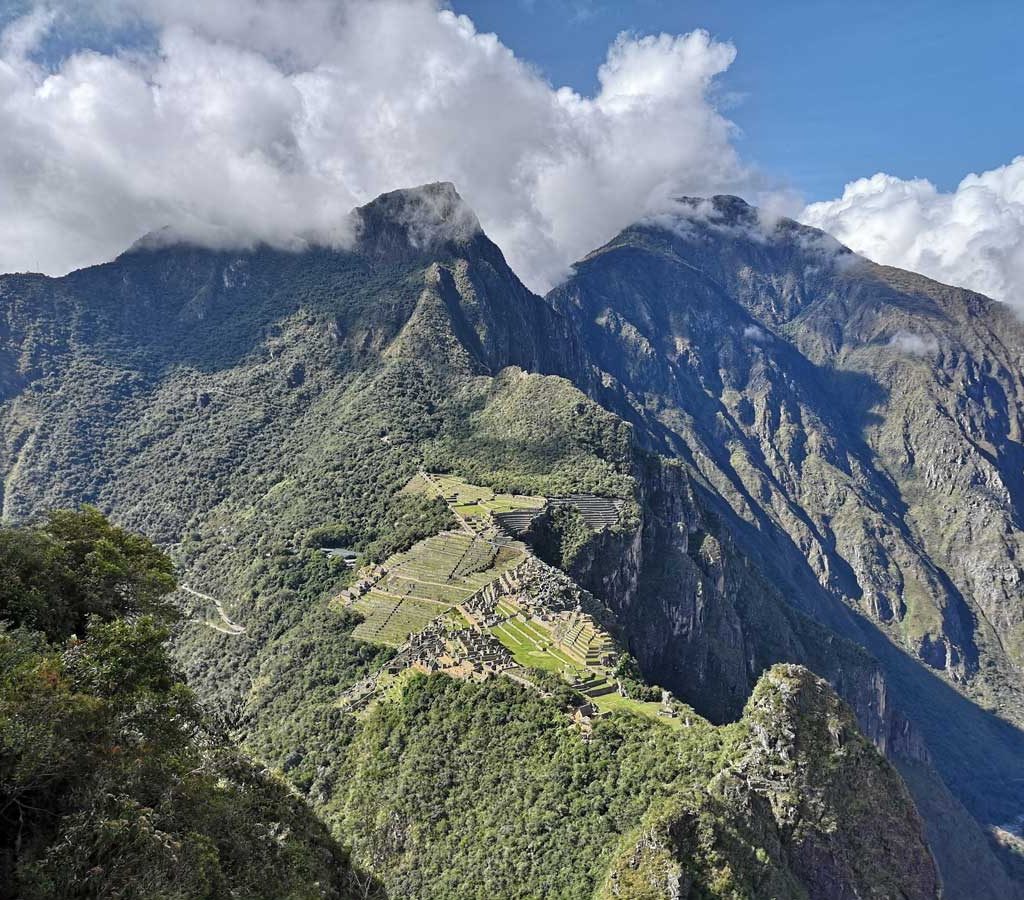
616	703
456	619
526	650
535	632
511	502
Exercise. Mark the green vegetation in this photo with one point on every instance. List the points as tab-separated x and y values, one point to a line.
628	673
112	784
571	802
534	435
78	566
453	789
291	718
561	536
426	581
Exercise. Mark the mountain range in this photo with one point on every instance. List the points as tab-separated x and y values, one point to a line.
820	467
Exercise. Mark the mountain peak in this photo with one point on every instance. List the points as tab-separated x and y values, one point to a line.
725	224
163	238
421	217
720	206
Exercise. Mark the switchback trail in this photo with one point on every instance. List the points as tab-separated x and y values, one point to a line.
230	626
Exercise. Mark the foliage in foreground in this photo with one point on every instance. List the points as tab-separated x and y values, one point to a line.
111	783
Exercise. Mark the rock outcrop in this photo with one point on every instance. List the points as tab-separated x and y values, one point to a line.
813	812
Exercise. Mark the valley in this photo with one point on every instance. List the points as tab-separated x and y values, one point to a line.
658	579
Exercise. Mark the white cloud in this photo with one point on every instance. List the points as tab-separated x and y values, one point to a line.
972	237
914	344
269	119
755	334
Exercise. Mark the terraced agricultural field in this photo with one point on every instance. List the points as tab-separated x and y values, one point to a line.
391	620
465	494
532	647
505	608
427	580
471	502
448	567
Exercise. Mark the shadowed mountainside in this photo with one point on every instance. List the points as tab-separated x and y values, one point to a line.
237	406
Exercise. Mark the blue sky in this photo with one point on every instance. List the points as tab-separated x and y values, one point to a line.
241	121
825	91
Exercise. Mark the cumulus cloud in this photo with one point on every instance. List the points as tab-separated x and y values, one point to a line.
267	120
972	237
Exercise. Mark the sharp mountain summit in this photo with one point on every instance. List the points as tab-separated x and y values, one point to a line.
701	576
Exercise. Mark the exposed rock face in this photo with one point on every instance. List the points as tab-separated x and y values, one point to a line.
855	432
705	620
419	220
850	826
816	813
836	444
865	424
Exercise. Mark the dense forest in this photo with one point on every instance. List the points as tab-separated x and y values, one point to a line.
113	783
247	411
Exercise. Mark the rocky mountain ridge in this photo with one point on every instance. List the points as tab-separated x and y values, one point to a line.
231	404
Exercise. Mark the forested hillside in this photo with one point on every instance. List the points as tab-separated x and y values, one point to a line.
250	411
113	783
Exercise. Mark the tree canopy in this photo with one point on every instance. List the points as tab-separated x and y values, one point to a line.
112	782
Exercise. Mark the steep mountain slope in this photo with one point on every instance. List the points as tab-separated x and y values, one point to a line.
111	781
858	428
247	408
870	415
828	766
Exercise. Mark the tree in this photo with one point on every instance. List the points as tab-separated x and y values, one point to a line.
76	565
111	784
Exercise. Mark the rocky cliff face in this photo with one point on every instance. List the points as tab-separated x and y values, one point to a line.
704	620
817	813
791	502
862	423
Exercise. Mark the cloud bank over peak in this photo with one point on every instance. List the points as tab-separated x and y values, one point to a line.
971	237
268	120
